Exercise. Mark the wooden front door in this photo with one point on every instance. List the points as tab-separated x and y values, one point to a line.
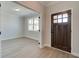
61	30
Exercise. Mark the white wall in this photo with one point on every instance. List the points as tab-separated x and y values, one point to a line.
11	24
62	6
31	34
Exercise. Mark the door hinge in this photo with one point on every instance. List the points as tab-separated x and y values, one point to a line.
0	33
0	4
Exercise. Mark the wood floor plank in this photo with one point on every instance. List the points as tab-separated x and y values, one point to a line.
28	48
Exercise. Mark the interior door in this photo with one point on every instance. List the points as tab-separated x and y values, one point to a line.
61	30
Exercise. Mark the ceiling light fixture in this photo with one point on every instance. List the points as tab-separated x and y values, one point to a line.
17	9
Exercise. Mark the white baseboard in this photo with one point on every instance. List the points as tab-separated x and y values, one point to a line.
32	37
19	37
46	45
12	37
75	54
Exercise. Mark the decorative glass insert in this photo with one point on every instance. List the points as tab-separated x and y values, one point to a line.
36	24
55	17
65	20
30	28
36	21
33	24
59	20
65	15
36	28
55	21
60	16
30	21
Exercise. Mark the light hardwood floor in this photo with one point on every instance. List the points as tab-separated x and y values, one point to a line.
28	48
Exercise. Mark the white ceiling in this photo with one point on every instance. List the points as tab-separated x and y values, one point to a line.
47	3
11	6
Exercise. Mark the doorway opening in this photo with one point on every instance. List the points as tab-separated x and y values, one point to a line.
18	24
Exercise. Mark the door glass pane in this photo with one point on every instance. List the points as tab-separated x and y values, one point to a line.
36	21
65	15
30	21
65	19
30	27
60	16
36	27
55	21
59	20
55	17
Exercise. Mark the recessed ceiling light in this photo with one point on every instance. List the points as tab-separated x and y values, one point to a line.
17	9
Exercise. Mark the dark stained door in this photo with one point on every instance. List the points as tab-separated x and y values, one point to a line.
61	30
